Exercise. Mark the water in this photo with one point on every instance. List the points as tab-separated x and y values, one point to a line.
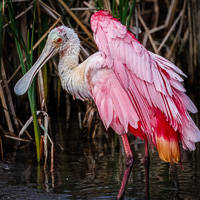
93	169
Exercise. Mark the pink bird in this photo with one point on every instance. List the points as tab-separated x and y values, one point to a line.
135	90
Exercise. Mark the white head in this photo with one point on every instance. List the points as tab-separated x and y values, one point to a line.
61	40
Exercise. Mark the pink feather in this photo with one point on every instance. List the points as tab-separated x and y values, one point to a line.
139	91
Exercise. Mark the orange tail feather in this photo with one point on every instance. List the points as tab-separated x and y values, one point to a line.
166	140
168	150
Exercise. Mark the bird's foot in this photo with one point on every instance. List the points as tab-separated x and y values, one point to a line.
146	161
129	162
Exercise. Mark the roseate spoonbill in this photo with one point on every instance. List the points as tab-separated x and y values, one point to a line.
135	90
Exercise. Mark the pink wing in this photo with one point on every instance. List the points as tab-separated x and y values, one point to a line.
113	103
137	90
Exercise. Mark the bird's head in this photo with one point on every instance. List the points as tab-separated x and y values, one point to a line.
59	40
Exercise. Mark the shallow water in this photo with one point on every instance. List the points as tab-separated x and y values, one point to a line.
92	169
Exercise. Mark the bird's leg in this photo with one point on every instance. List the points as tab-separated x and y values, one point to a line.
146	155
146	166
129	164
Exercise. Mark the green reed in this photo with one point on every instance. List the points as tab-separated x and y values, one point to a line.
123	11
20	45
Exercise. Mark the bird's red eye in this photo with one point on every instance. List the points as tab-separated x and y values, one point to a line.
59	40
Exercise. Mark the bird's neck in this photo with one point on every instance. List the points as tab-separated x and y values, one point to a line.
69	60
72	75
69	56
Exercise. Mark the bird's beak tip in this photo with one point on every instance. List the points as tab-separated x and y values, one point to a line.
18	90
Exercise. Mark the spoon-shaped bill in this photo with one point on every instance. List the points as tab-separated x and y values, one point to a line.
24	83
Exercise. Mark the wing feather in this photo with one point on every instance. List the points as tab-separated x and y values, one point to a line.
145	81
112	100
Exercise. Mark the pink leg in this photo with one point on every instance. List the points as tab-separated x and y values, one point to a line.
146	154
129	164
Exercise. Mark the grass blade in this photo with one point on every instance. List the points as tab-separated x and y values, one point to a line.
31	93
130	14
124	12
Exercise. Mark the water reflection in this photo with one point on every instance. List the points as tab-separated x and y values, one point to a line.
93	169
